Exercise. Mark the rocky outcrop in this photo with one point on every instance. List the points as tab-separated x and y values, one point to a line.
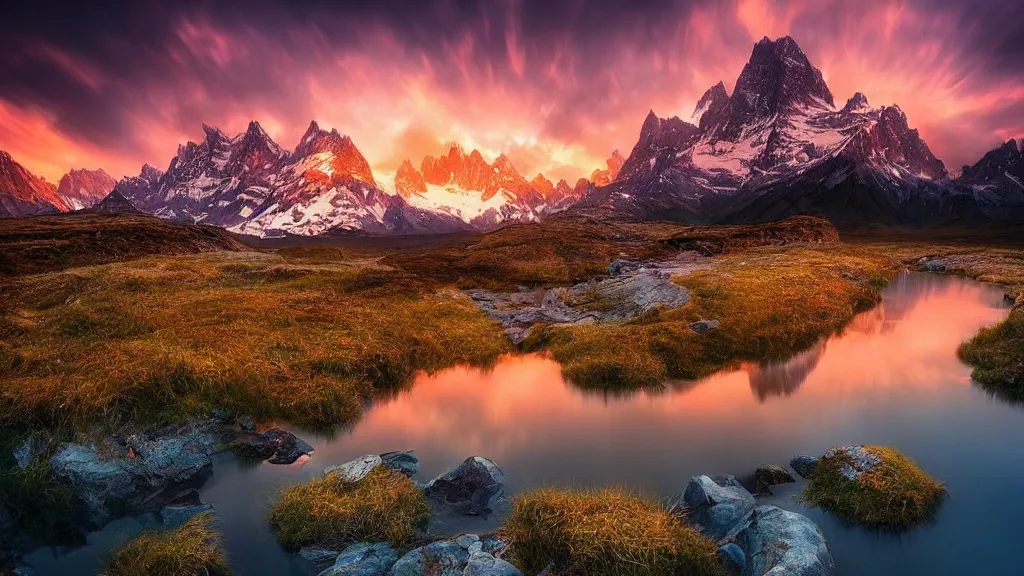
473	487
858	460
771	475
364	559
633	289
782	543
276	446
716	506
130	476
804	465
467	555
754	540
356	470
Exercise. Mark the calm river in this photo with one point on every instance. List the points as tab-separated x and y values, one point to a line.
892	377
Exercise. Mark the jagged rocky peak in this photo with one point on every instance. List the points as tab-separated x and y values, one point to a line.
345	159
857	103
23	193
657	135
83	188
150	174
1004	161
255	151
544	186
409	181
711	106
778	79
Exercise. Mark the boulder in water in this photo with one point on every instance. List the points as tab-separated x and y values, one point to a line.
716	506
364	559
804	465
770	475
473	487
784	543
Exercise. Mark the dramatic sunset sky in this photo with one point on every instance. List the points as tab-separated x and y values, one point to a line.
556	85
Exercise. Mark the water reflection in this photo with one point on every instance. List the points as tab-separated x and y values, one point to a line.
892	377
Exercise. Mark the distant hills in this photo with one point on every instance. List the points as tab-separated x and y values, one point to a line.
777	146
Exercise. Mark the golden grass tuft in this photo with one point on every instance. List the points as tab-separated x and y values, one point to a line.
384	506
894	494
603	533
997	355
192	549
771	302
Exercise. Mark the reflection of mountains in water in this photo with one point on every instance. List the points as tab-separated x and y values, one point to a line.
784	378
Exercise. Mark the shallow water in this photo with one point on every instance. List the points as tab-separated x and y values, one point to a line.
891	378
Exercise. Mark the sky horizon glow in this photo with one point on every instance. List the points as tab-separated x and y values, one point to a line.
556	86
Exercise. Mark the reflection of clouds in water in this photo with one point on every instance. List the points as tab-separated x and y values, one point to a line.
522	412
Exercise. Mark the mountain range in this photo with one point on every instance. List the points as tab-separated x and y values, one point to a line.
778	145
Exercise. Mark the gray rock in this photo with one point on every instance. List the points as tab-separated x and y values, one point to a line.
784	543
860	460
703	326
446	558
732	559
473	487
493	544
935	265
245	423
466	555
364	559
319	556
804	465
483	564
169	458
289	446
717	506
355	470
33	447
174	516
619	266
276	446
770	475
631	293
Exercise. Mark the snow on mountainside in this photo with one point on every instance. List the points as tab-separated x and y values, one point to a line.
249	184
484	195
84	188
778	146
25	194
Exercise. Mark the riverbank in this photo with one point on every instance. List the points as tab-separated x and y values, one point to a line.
311	335
879	382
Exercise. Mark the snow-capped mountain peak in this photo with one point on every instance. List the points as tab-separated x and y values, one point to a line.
84	188
857	103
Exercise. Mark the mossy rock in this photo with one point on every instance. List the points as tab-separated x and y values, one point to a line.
384	506
875	486
603	533
193	548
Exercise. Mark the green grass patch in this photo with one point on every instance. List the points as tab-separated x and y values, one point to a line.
997	355
193	549
603	533
384	506
894	494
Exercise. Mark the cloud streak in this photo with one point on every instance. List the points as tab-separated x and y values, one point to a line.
555	85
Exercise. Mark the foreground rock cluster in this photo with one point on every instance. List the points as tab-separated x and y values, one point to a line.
152	476
754	540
